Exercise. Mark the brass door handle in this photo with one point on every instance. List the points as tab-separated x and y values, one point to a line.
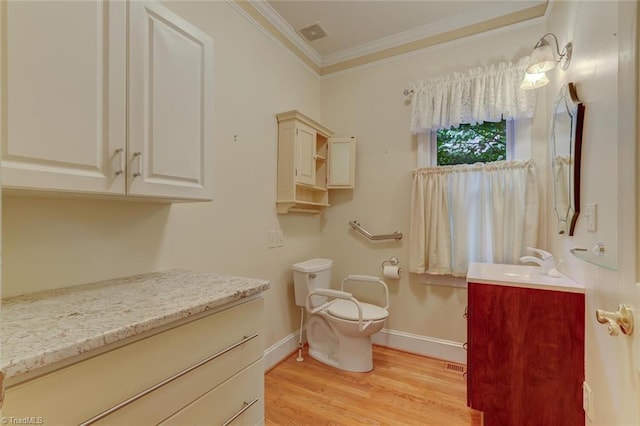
622	319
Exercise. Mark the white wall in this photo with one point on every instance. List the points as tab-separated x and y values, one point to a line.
50	243
368	103
604	69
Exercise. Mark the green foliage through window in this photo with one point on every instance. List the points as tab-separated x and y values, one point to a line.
472	143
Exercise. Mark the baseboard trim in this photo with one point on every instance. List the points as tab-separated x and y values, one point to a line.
407	342
421	345
279	351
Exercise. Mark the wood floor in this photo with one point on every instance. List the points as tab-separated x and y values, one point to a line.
402	389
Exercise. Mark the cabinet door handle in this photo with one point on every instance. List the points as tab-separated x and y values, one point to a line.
466	313
138	155
244	408
120	153
147	391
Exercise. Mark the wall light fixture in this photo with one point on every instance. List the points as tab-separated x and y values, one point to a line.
544	59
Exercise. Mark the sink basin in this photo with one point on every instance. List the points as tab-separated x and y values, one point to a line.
520	276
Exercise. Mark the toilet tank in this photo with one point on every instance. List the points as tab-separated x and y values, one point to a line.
309	275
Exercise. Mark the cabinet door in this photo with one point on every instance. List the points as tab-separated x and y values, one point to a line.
170	101
305	155
64	94
524	344
342	163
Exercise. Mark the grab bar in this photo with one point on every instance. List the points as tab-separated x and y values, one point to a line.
395	236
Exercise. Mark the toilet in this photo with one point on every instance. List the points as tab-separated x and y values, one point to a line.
339	328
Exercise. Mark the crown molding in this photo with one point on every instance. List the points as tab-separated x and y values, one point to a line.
346	67
255	18
423	32
287	30
416	39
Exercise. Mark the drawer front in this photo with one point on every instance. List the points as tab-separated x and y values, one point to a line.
238	401
172	396
110	378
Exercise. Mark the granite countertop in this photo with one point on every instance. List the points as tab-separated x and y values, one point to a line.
39	329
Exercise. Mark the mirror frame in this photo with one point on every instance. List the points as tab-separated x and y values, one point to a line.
575	108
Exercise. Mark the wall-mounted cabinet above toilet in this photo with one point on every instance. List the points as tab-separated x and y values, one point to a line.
310	162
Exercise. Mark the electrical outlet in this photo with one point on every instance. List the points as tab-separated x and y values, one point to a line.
590	214
272	237
280	238
587	400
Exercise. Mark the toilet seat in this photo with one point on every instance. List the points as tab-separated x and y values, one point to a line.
346	309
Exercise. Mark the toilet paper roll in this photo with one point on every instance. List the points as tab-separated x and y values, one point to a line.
391	272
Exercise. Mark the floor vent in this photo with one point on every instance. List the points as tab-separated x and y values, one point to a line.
454	368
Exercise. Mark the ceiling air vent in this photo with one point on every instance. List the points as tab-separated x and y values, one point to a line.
313	31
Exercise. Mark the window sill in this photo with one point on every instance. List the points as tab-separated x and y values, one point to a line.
443	280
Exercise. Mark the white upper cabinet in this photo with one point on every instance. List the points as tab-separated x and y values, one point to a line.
302	164
310	162
64	94
305	152
342	163
70	123
170	100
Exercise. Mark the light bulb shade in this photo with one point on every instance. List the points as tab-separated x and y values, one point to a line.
542	59
534	81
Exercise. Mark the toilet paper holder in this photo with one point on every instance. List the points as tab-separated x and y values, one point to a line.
390	268
394	261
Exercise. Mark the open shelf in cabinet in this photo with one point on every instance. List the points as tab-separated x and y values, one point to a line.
308	199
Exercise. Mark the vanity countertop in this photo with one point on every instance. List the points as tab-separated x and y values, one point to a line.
523	276
39	329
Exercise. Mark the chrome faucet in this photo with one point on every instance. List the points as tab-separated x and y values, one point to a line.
546	261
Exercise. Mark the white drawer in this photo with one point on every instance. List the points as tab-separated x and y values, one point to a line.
238	401
78	392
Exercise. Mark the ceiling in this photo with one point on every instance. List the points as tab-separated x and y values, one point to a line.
363	27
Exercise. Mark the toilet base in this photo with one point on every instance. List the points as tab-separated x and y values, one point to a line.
355	354
323	358
347	353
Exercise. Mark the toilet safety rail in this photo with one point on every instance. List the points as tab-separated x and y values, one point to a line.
335	294
356	225
371	279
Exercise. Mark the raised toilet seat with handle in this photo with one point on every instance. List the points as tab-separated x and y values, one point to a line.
343	305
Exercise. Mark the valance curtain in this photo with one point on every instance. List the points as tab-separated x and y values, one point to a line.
472	213
481	94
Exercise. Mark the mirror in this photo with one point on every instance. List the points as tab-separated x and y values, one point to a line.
566	146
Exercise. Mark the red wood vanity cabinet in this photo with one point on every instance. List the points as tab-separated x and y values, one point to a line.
525	355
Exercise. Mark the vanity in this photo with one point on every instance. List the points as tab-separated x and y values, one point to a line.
525	355
172	347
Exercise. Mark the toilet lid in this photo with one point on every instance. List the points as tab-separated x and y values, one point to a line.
346	309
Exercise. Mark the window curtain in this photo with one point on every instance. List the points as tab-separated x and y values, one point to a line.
472	213
481	94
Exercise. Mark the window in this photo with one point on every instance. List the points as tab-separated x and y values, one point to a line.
474	143
454	216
